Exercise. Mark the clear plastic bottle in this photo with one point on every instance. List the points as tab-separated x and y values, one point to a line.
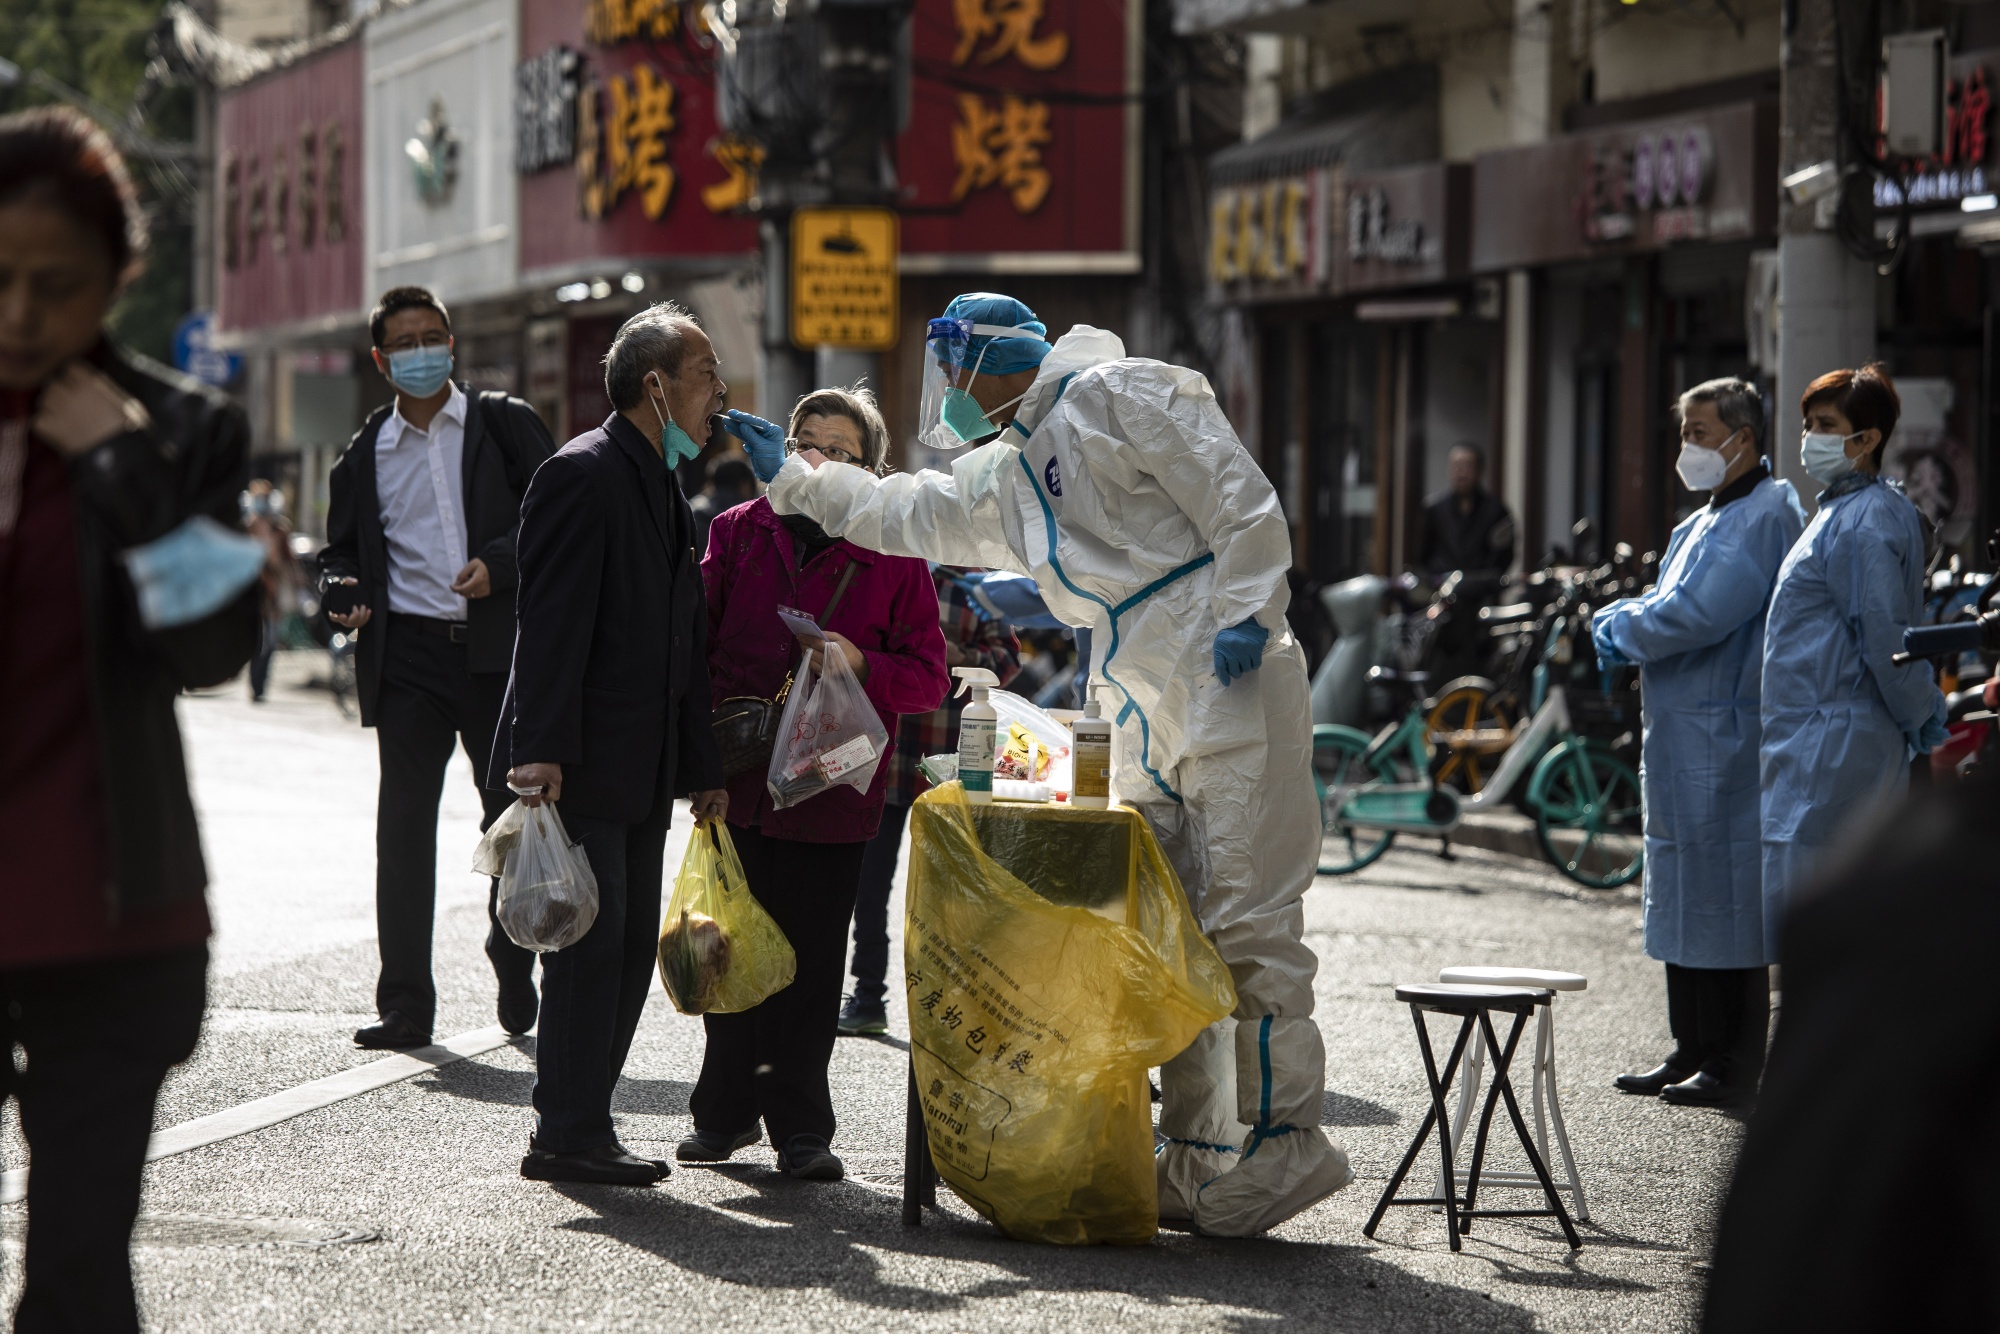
1090	758
976	728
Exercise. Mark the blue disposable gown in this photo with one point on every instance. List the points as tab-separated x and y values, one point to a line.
1835	708
1698	638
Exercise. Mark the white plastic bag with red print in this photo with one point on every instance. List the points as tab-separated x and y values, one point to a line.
830	734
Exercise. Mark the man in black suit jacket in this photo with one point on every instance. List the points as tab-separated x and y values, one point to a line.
607	714
421	520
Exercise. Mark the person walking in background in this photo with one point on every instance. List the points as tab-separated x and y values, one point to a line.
1466	527
972	638
422	512
730	483
1840	719
1698	640
804	863
607	715
278	586
103	921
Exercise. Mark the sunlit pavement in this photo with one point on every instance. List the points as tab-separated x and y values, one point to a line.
403	1209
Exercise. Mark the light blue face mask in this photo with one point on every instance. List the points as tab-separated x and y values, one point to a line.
1824	455
192	572
420	371
676	445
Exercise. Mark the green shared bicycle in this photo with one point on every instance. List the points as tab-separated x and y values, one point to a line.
1585	799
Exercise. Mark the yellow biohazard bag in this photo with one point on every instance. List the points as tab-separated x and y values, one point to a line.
1050	958
720	952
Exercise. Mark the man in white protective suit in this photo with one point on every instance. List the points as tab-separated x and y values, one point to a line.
1117	484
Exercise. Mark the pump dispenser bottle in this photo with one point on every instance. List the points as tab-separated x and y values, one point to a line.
976	727
1090	758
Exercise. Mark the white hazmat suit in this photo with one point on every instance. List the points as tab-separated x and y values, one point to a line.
1121	489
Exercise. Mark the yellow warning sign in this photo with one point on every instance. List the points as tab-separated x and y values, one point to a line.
844	278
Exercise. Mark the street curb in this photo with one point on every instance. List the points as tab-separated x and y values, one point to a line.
1500	831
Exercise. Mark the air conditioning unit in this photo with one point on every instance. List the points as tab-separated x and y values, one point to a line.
1913	95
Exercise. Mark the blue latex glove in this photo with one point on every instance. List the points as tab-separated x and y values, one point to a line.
763	441
1932	734
1239	650
1608	655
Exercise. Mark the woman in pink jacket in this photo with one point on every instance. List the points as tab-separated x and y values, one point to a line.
804	863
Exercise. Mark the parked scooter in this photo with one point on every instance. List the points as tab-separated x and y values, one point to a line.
1340	686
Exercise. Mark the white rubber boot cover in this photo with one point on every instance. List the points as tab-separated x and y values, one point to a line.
1288	1163
1198	1117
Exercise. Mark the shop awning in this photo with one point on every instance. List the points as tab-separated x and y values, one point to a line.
1382	120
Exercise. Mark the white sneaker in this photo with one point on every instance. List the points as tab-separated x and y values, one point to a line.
1280	1177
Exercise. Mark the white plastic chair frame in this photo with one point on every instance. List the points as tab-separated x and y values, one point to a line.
1541	1085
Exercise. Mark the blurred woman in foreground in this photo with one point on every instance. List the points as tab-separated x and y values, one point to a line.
123	580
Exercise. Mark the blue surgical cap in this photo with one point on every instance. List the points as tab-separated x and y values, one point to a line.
1004	356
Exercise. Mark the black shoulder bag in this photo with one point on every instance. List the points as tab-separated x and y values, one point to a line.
746	727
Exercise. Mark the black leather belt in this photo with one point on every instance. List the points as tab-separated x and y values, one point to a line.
430	625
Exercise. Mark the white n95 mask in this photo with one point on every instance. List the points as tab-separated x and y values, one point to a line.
1701	468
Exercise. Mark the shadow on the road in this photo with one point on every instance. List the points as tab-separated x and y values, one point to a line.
1339	1109
485	1083
833	1239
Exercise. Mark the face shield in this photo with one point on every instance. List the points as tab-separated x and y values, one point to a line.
955	353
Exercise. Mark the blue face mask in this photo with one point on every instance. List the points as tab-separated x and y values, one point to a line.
192	572
676	445
1824	454
420	371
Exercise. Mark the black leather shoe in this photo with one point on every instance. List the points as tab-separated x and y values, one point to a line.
605	1165
519	1003
1650	1083
1701	1089
715	1146
809	1159
394	1033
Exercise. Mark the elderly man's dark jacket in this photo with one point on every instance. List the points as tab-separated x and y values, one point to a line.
611	659
193	459
505	441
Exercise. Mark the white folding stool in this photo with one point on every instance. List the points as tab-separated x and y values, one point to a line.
1541	1083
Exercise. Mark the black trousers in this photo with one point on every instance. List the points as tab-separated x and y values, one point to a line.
1720	1018
771	1059
871	904
429	704
100	1037
594	992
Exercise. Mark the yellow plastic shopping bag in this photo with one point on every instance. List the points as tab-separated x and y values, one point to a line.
720	952
1032	1022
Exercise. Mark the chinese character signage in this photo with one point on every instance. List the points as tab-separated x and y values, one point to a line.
288	244
1403	226
1705	175
1328	231
844	278
1022	147
1959	169
1269	237
616	138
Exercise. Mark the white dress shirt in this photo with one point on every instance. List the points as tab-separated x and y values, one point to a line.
419	480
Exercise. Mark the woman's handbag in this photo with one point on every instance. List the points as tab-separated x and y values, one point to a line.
746	727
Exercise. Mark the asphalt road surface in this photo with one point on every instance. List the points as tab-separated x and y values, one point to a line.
401	1207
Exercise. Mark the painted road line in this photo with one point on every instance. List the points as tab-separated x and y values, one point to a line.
307	1097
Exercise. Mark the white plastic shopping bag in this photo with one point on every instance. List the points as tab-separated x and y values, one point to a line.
548	893
829	734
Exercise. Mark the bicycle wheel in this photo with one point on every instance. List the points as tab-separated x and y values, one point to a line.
1471	725
1340	764
1587	815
